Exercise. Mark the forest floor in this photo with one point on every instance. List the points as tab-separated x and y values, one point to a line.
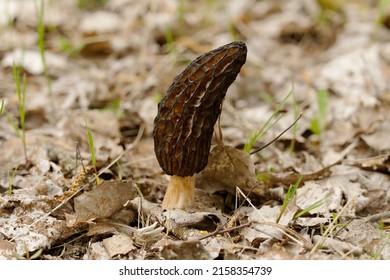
79	178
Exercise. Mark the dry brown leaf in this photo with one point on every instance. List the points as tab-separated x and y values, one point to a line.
104	200
119	244
227	169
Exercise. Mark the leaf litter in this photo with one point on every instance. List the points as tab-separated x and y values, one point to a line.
117	62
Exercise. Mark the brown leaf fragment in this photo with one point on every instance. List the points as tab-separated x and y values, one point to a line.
104	200
118	244
227	169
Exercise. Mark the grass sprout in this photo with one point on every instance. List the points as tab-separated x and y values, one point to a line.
318	124
1	107
115	107
92	150
269	124
295	126
311	207
68	48
11	178
289	197
21	92
382	6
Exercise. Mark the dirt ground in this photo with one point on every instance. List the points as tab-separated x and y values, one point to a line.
79	178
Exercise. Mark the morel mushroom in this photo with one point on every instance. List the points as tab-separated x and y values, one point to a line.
186	116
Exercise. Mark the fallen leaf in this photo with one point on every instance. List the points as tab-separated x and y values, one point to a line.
227	169
104	200
118	244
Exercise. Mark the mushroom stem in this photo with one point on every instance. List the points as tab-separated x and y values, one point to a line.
180	192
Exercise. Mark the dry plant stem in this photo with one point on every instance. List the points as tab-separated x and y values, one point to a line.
331	226
180	192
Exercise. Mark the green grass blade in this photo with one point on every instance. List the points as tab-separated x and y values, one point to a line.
258	134
1	107
295	126
289	196
318	124
21	93
90	143
312	207
11	178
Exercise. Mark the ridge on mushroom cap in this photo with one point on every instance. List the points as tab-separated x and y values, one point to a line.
186	116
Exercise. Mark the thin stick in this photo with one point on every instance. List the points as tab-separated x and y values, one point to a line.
219	230
277	137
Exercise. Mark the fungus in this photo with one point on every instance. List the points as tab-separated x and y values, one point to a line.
186	116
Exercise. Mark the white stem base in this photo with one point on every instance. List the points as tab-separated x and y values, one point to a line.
180	192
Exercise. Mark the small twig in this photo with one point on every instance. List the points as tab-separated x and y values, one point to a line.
277	137
219	230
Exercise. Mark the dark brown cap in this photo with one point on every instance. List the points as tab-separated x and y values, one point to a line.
184	124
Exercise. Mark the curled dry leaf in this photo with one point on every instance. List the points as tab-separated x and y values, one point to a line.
104	200
227	169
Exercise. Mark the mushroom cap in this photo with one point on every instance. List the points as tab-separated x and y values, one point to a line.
186	116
